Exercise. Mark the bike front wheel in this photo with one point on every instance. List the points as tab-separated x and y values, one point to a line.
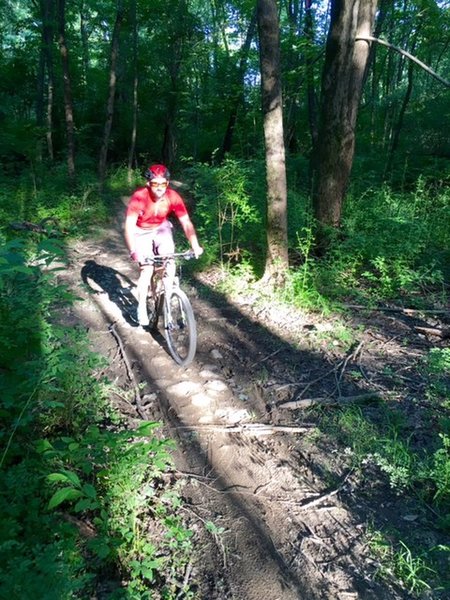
180	327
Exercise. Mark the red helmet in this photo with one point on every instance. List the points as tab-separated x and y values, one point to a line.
157	171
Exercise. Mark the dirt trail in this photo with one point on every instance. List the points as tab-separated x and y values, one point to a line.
289	530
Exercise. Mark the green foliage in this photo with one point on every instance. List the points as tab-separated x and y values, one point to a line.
228	212
436	368
400	237
43	196
412	569
385	443
60	473
394	245
440	472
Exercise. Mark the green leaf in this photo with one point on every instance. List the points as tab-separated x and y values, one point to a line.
43	446
72	477
85	504
100	547
68	493
89	490
147	427
58	477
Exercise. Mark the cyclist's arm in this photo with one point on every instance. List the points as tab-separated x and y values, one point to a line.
130	230
189	232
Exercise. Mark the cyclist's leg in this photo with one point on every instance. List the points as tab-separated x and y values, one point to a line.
164	244
144	248
143	286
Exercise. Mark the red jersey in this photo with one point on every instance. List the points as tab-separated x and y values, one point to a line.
151	211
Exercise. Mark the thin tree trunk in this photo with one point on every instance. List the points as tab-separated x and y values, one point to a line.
312	100
292	64
398	126
343	76
112	93
269	41
47	16
40	93
84	48
68	106
132	150
238	97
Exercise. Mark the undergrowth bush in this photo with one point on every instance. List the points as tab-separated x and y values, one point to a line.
229	211
409	468
82	498
44	195
393	245
400	241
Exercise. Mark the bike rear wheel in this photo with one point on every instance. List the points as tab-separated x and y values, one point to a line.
179	327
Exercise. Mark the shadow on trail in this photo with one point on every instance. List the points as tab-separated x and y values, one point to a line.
250	350
102	279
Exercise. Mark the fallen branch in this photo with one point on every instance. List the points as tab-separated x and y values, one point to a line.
442	333
406	311
131	377
251	428
326	496
307	402
42	227
265	358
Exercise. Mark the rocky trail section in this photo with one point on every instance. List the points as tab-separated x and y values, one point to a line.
288	526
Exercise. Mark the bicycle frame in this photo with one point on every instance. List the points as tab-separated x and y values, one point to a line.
168	299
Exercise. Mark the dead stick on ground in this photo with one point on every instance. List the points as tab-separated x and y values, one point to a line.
251	428
130	373
333	370
307	402
327	496
406	311
265	358
442	333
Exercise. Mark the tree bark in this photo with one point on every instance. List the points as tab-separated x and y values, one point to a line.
84	47
269	42
177	48
45	115
238	96
343	76
311	92
132	150
112	93
68	106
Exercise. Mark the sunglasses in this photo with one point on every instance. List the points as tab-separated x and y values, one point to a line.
155	184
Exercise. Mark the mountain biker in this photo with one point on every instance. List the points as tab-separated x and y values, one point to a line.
148	232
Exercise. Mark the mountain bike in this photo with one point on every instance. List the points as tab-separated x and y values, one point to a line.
167	299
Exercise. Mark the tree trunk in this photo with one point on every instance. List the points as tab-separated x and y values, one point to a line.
343	76
112	93
312	100
68	106
238	97
399	124
46	64
291	107
132	150
269	42
84	48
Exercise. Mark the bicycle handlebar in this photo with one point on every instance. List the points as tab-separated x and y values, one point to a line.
162	258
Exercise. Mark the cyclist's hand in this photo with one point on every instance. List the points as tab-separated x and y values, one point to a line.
197	250
134	256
